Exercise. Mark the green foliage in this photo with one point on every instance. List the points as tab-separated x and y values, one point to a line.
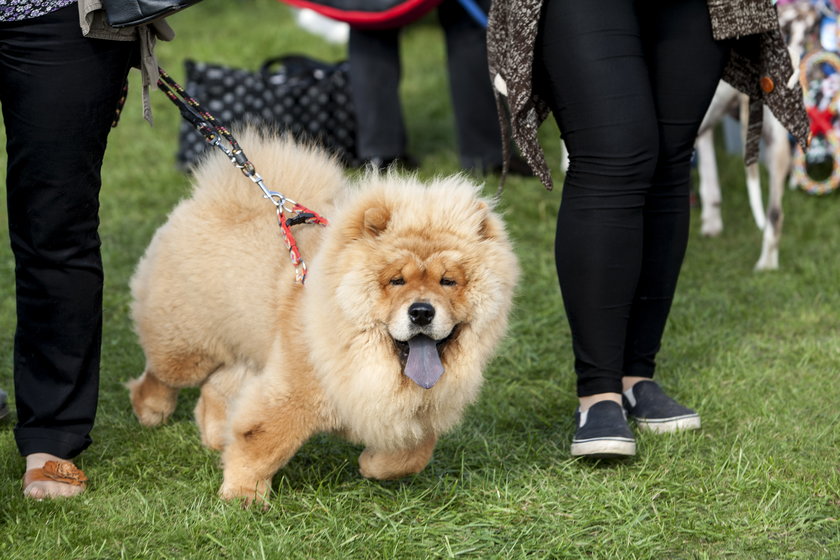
757	353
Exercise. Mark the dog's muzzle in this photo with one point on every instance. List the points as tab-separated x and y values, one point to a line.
421	353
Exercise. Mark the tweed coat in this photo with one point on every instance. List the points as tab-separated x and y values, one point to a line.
759	65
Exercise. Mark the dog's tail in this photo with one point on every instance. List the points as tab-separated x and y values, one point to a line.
302	172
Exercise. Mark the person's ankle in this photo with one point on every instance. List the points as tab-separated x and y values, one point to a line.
586	402
37	460
628	381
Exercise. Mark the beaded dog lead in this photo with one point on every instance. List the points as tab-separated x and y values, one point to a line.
213	133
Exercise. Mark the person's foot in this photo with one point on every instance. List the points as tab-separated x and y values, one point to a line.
4	404
602	431
653	410
48	476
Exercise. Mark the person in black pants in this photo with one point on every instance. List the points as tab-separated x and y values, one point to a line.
375	76
59	93
628	83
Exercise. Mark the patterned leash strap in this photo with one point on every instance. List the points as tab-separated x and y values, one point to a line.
120	104
213	133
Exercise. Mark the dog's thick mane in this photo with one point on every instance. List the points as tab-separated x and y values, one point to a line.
445	214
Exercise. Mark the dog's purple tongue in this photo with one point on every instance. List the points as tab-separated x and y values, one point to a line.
423	365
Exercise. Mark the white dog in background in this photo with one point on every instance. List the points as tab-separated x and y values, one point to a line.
797	20
778	157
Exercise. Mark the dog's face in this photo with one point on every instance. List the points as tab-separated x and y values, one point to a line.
417	275
423	296
419	292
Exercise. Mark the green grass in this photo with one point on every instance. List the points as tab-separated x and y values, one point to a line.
757	353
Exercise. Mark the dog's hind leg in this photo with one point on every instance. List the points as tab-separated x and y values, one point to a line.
211	411
711	222
388	465
153	400
154	394
780	159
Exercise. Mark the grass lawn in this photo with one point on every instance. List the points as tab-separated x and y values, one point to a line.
757	353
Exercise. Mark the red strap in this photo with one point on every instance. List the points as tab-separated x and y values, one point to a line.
397	16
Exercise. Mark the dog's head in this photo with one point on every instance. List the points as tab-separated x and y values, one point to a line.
422	267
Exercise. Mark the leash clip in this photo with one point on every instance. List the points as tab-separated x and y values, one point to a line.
278	199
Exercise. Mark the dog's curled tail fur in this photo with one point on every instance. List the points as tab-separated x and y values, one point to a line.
303	172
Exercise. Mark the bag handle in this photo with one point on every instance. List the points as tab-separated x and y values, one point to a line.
295	65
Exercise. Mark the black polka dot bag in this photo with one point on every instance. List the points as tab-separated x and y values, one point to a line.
295	93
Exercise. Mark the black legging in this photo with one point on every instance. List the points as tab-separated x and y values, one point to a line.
628	83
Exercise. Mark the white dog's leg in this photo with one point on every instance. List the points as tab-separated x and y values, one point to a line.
780	162
711	222
725	98
754	194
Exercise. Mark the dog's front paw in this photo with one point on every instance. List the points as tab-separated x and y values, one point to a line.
368	464
257	491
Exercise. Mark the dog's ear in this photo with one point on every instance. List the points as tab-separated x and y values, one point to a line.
489	225
376	220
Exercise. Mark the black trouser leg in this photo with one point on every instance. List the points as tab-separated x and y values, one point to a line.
630	82
59	92
374	83
477	129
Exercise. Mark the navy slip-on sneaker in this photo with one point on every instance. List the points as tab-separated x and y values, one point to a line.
653	410
602	431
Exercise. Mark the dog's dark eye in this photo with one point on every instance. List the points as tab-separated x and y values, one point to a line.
398	281
447	281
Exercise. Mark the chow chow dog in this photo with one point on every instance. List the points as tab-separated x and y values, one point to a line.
408	292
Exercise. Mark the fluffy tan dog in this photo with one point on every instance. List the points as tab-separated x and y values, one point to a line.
408	293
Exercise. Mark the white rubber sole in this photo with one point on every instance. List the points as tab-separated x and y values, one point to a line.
604	447
668	425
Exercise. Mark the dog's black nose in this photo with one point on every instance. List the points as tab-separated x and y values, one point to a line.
421	313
